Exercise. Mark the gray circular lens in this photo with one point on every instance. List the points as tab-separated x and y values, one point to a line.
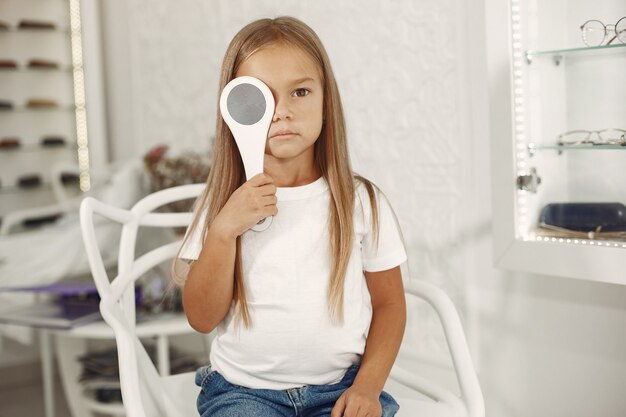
246	104
593	32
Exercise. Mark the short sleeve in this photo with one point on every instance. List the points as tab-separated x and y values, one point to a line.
193	240
390	251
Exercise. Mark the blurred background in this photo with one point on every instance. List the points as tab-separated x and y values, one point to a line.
415	83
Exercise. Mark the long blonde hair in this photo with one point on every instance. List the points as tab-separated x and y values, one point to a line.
331	157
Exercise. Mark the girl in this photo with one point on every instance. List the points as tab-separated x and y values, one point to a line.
293	305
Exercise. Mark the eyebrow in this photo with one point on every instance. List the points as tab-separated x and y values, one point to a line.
302	80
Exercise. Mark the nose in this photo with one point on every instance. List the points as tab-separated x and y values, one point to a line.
281	110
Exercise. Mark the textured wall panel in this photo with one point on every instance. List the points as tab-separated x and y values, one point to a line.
400	74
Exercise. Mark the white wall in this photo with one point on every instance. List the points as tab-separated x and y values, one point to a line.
413	79
402	79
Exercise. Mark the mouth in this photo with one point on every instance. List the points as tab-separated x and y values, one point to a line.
282	134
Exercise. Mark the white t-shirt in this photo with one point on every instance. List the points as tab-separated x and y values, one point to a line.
286	270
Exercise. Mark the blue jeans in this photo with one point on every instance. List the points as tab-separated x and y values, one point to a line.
220	398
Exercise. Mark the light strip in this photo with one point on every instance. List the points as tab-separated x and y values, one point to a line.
581	241
518	112
82	141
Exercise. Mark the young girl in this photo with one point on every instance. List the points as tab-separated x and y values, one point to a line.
309	313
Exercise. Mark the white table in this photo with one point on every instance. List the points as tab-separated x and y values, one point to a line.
68	345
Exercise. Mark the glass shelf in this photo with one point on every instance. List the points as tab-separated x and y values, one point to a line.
22	108
532	148
42	186
37	148
13	28
557	54
15	189
26	68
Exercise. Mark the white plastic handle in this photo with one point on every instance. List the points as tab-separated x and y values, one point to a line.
247	107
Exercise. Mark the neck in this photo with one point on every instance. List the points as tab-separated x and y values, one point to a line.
291	174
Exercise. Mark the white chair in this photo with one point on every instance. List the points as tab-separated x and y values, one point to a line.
146	393
435	400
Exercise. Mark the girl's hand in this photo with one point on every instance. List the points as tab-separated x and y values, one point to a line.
248	204
357	402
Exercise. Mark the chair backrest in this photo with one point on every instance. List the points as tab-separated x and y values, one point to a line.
118	295
470	403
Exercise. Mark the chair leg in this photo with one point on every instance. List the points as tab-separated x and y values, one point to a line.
47	371
163	355
68	349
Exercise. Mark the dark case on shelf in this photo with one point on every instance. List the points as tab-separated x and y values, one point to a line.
585	217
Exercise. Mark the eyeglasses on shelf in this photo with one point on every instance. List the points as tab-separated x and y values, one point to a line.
610	136
594	32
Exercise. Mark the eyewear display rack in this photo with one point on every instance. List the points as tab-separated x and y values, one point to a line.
558	137
51	100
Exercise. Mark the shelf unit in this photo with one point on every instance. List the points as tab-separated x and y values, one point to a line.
543	82
74	86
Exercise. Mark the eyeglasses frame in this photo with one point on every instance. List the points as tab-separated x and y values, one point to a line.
606	29
621	141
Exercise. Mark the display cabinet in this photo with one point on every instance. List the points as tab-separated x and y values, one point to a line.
557	99
51	100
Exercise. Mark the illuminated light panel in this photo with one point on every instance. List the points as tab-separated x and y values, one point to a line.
518	125
82	140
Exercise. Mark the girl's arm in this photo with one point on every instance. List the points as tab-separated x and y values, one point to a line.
208	291
383	343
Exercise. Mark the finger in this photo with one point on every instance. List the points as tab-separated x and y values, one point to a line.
338	409
353	411
261	179
365	413
268	189
272	210
269	200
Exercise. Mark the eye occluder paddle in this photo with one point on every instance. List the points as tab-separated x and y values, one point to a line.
247	107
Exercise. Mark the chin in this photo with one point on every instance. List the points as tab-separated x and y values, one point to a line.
277	152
